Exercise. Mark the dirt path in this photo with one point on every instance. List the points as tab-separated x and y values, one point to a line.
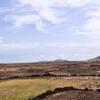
82	77
50	77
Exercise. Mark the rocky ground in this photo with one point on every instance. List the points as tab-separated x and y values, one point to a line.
54	68
57	69
69	93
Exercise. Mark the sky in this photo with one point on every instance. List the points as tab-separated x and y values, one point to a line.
38	30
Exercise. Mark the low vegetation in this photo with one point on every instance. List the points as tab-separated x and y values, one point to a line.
23	89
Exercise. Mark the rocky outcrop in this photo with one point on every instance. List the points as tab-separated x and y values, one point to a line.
95	59
69	93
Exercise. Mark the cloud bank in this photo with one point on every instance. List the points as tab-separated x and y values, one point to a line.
76	20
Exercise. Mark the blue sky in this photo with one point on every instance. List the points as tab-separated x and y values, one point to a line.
34	30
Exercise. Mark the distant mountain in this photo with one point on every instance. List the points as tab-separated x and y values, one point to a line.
60	60
95	59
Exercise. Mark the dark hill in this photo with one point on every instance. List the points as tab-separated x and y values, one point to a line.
95	59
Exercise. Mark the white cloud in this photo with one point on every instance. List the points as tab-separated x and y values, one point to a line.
93	23
22	46
49	13
91	27
52	45
51	50
78	3
25	19
45	10
49	3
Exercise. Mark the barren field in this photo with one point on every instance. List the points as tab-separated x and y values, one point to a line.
25	81
44	69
